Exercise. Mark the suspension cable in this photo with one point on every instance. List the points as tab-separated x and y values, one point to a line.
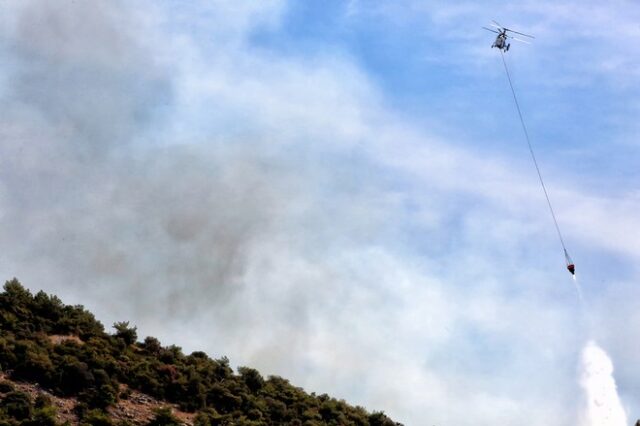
533	156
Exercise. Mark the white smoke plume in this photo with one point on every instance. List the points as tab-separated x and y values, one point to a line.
603	406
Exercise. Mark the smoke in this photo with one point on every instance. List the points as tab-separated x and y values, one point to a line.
154	181
603	406
100	200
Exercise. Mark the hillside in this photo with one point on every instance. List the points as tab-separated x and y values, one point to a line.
59	366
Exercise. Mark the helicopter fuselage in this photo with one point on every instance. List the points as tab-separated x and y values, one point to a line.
501	42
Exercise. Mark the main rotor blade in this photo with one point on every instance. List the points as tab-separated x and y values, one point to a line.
522	34
499	26
520	40
493	31
496	26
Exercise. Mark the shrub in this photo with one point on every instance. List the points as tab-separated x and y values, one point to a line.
75	376
17	405
96	418
33	363
99	397
164	418
152	345
380	419
128	334
208	417
44	416
43	400
251	378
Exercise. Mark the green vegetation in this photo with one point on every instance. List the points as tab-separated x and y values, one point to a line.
93	367
16	408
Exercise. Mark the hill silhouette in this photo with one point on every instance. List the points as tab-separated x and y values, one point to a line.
59	366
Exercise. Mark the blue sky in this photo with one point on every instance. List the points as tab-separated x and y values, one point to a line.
336	192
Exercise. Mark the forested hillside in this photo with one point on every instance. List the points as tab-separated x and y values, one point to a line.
60	366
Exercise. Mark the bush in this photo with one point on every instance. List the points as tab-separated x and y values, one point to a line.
75	376
251	378
45	416
128	334
17	405
43	400
99	397
152	346
33	363
164	418
96	418
380	419
208	417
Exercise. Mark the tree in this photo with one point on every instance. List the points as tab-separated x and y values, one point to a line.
378	418
152	345
126	333
15	293
251	378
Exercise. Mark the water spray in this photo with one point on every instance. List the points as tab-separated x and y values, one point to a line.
602	404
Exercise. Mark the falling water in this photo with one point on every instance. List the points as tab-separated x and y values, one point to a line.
578	290
602	404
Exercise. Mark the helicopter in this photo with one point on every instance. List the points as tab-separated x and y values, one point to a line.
501	39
